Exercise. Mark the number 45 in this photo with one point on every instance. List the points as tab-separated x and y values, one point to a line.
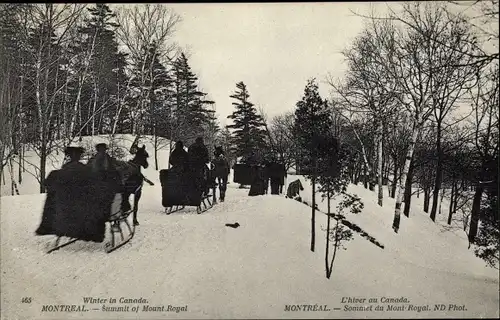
26	300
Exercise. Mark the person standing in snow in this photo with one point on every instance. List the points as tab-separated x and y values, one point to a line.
221	171
198	159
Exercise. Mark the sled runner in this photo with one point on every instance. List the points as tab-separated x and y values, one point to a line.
79	206
182	189
115	228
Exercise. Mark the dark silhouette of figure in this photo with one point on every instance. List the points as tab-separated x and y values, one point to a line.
179	158
74	155
294	189
198	158
257	187
102	163
221	171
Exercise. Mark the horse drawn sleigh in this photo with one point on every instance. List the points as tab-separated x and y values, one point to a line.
192	179
82	202
182	189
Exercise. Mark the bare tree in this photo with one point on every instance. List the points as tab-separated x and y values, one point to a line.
485	103
482	17
403	59
53	22
369	92
142	27
281	130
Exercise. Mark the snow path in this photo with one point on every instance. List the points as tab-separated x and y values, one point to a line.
249	272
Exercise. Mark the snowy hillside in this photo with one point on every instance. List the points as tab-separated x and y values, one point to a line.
263	269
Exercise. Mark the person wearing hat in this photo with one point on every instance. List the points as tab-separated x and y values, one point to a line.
73	155
198	158
179	157
221	170
101	162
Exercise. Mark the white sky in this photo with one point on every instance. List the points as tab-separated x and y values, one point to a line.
273	48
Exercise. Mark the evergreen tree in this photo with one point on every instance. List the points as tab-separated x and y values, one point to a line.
311	129
248	126
190	113
102	77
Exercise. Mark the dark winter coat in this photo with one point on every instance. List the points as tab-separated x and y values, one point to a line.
221	166
179	158
73	165
258	185
198	155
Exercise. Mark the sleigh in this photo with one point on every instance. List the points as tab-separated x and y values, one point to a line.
181	189
81	207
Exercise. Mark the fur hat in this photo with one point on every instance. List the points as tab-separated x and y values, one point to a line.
101	146
73	151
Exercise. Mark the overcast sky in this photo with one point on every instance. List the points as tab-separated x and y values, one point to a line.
273	48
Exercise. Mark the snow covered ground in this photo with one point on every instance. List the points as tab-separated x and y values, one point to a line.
259	270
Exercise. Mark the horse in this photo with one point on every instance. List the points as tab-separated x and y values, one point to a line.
133	179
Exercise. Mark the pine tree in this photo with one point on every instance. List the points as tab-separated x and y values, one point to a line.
190	114
311	128
248	126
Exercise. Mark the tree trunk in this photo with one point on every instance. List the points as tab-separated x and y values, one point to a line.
335	246
365	177
452	199
43	162
327	237
439	174
441	201
13	185
379	167
20	165
427	197
94	108
455	198
402	183
475	213
394	178
21	140
156	148
367	169
408	190
76	109
313	213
